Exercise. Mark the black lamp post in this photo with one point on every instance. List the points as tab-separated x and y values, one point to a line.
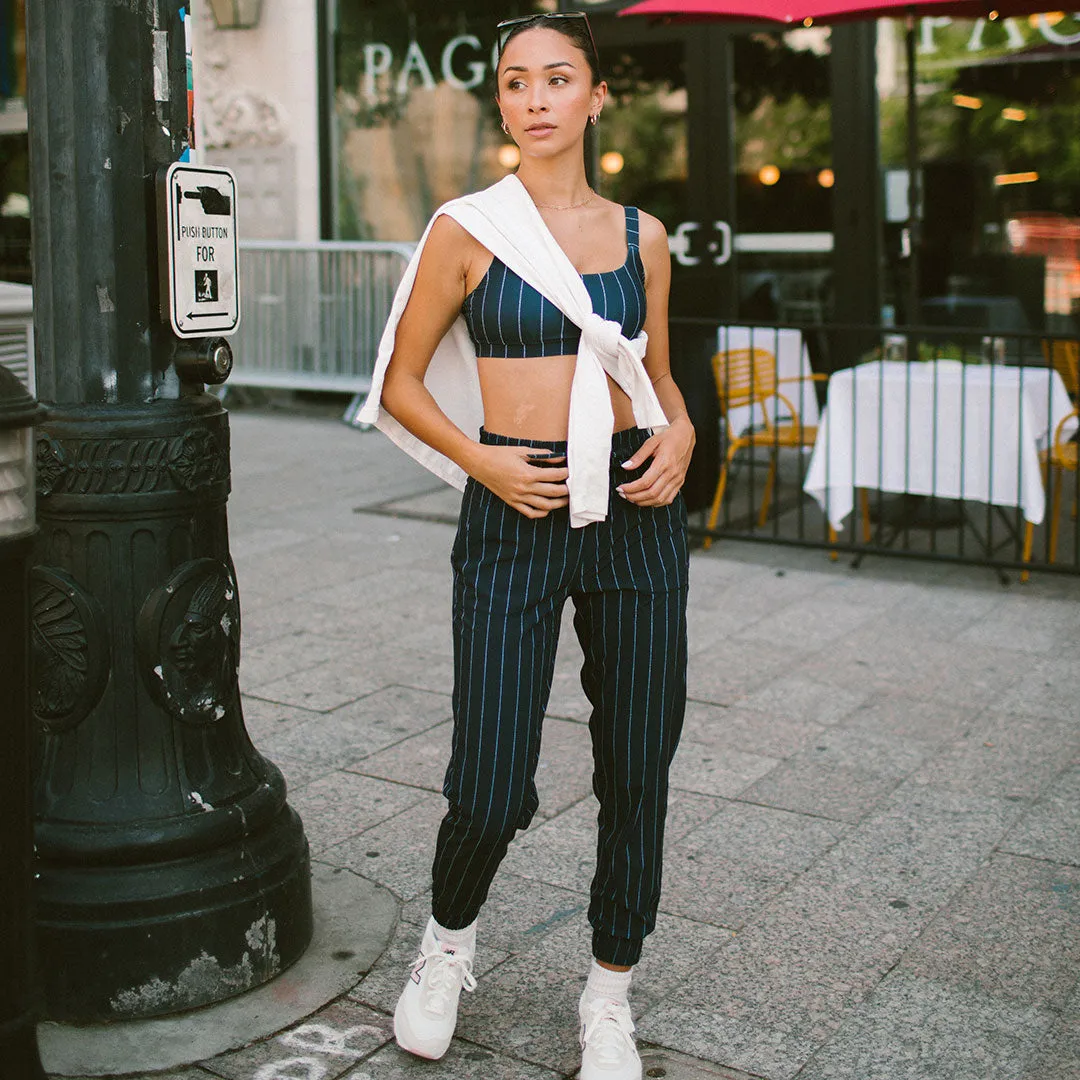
18	1037
170	870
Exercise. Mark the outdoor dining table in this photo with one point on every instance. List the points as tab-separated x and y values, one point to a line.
952	430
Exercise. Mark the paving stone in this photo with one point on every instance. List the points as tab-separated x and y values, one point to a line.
419	761
396	853
727	869
824	790
462	1060
821	618
912	718
733	669
914	1028
360	730
656	1061
772	735
528	1011
1058	1055
784	985
183	1074
1003	754
298	774
919	847
335	1038
715	769
728	1041
672	952
880	660
267	719
1047	686
940	611
416	669
288	654
1012	931
561	851
320	688
1048	830
794	696
1029	625
390	587
341	804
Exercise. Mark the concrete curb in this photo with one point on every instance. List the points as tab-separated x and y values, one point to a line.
354	921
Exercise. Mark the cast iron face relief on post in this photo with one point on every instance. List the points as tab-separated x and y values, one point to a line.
171	872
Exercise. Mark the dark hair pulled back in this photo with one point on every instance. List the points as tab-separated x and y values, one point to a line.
575	30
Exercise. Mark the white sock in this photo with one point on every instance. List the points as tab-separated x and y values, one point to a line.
461	941
605	983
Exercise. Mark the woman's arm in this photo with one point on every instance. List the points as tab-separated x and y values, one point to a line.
671	448
437	295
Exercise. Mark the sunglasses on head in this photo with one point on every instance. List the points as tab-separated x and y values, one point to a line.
508	26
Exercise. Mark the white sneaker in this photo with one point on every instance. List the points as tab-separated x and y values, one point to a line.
426	1012
608	1051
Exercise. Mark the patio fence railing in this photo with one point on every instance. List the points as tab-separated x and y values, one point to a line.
312	313
928	442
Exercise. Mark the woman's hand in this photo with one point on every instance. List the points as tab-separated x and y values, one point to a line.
670	451
531	489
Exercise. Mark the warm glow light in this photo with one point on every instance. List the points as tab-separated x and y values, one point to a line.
963	101
768	175
826	178
1002	179
509	156
1049	18
1013	114
808	22
994	16
612	162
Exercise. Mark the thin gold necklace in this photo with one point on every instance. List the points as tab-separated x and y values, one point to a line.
573	206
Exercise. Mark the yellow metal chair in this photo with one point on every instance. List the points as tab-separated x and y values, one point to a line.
1059	459
1063	355
748	377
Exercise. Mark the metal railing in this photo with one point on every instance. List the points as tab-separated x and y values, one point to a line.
828	436
313	313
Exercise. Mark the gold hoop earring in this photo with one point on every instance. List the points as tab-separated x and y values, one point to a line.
593	119
506	130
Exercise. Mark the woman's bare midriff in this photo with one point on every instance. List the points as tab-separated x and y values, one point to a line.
529	397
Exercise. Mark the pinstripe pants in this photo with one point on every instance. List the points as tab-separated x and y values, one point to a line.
627	577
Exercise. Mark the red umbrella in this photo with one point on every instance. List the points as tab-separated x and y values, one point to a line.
798	11
806	12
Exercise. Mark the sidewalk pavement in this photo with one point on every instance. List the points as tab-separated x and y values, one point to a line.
873	852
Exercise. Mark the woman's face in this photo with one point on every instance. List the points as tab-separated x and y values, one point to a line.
546	93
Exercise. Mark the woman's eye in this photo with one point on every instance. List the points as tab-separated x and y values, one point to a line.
557	80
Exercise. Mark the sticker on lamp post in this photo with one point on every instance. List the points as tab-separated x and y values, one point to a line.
200	296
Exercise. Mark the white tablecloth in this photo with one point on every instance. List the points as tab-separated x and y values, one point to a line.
947	429
792	362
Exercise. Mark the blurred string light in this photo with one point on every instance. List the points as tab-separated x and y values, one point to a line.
1013	114
612	162
965	101
826	178
509	156
768	175
1004	179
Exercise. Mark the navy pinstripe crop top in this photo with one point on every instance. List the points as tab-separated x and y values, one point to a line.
508	318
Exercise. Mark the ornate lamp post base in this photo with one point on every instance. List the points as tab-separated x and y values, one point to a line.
171	871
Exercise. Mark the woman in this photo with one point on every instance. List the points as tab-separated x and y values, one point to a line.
566	496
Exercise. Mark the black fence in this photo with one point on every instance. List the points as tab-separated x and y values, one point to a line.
928	442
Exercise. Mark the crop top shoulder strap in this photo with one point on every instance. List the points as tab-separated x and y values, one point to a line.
507	317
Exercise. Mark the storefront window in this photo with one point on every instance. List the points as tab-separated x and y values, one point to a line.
14	151
784	177
416	121
998	112
641	149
